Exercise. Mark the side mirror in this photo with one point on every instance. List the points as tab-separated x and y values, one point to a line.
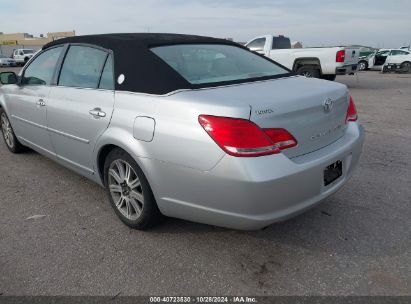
8	78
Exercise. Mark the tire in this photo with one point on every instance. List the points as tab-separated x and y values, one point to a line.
329	77
406	67
362	65
129	192
309	71
10	139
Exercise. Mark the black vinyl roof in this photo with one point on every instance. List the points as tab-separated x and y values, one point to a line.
144	71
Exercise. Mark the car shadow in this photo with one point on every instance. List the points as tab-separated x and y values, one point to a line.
334	227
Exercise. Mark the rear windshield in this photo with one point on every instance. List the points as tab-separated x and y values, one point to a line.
213	63
28	51
281	43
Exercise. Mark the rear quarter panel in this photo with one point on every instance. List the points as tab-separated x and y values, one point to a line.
178	138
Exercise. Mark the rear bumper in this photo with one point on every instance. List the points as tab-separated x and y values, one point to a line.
346	69
251	193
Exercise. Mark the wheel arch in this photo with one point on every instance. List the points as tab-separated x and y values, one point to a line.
363	60
117	138
101	158
299	62
3	104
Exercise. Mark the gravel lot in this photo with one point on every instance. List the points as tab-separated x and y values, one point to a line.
358	242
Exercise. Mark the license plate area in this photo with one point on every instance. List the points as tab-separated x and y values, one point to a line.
332	172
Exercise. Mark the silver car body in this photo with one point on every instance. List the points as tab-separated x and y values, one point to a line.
191	177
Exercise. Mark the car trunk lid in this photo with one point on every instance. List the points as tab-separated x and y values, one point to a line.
312	110
296	104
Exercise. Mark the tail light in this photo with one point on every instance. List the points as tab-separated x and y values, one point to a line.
340	56
243	138
351	112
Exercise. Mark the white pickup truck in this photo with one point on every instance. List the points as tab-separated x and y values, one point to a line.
322	62
21	56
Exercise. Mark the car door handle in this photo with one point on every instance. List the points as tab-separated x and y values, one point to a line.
41	103
97	113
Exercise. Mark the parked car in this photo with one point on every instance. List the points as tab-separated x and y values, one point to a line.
21	56
365	53
378	60
184	126
326	62
6	61
398	60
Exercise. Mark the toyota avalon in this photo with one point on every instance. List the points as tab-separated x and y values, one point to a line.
184	126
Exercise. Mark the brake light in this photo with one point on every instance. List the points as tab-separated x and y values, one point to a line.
340	56
243	138
281	137
351	112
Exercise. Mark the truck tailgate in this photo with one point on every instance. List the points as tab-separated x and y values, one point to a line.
351	56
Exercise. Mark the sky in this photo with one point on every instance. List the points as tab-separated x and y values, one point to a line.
378	23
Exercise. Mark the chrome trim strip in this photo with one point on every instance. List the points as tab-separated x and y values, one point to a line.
89	171
29	122
37	146
86	141
200	89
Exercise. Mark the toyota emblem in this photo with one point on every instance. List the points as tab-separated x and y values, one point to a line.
328	105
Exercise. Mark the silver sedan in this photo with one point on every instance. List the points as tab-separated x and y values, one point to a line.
190	127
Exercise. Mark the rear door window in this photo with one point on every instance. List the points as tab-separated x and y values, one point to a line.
398	52
107	81
82	67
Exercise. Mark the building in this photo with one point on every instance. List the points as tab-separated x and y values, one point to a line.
296	45
9	42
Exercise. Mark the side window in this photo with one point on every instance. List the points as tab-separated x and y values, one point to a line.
383	53
398	52
257	44
41	70
107	81
82	67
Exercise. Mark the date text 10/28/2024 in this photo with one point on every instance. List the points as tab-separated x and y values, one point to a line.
205	299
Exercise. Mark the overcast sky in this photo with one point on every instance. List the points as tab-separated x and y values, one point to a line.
379	23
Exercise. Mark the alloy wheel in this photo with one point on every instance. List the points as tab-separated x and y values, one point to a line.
125	189
7	131
406	67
